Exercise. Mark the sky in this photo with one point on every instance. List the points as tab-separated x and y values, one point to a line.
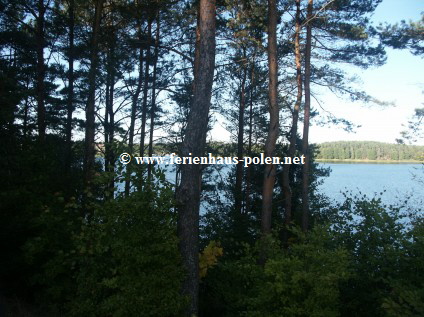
400	80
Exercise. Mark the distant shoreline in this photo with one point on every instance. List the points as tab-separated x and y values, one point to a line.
370	161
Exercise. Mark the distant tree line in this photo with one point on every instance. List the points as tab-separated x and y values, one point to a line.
368	150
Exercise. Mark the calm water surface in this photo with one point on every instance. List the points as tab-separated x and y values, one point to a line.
401	181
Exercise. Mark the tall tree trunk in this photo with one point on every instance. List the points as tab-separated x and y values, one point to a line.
25	123
153	106
26	110
109	129
305	144
188	196
133	117
110	114
249	143
41	69
106	119
196	46
90	107
287	193
240	143
269	174
110	167
70	101
145	88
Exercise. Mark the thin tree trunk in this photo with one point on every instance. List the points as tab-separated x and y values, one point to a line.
111	124
109	130
305	144
41	108
249	144
240	143
90	107
70	101
287	193
133	117
269	174
145	89
25	123
188	196
106	119
26	110
153	107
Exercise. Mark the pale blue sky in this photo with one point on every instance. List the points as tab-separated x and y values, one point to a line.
400	80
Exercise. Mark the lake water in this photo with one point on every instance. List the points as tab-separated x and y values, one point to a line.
398	182
401	181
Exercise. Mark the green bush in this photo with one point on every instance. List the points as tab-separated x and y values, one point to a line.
114	258
302	280
406	297
128	261
386	251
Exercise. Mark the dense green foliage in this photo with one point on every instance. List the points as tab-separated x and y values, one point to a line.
128	259
366	263
98	257
367	150
304	279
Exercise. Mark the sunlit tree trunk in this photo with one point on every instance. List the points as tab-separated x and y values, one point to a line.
269	174
287	192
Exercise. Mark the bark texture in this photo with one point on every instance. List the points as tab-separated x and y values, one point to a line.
188	194
287	192
269	174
